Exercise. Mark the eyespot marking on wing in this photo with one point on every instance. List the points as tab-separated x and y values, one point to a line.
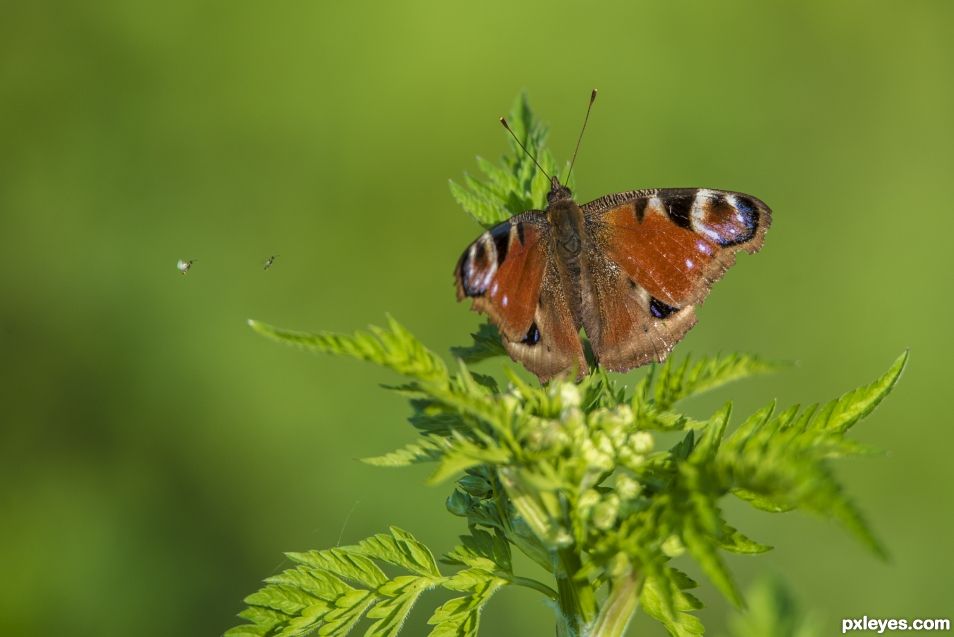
659	309
725	219
533	335
479	265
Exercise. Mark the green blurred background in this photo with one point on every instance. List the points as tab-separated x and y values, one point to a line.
157	457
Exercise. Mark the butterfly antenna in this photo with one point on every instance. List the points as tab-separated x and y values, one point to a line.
580	138
503	121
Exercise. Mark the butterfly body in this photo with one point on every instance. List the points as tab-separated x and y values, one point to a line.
628	269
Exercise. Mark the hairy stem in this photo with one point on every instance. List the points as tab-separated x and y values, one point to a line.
619	607
577	600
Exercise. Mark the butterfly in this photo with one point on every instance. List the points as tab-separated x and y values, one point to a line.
629	268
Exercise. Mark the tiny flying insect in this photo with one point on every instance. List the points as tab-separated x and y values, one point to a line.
184	266
269	261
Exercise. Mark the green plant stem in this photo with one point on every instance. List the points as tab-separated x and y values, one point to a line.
577	602
537	586
618	609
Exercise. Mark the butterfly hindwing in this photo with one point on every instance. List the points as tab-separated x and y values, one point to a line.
626	325
512	276
552	344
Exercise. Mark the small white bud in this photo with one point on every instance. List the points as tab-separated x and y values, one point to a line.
627	488
604	513
588	500
569	395
642	442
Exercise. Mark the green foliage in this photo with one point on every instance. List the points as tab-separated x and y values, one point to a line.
570	474
516	184
329	591
486	345
571	467
771	612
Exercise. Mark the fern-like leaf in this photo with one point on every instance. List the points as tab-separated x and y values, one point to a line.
486	345
393	347
330	591
516	185
676	381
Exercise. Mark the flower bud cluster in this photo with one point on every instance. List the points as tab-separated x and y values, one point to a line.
600	443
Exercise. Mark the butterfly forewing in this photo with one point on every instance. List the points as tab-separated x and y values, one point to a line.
502	271
675	243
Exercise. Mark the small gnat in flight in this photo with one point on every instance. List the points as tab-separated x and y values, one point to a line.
184	266
269	261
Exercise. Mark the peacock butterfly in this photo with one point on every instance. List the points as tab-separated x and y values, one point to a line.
629	268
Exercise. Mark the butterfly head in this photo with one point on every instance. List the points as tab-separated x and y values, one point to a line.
558	192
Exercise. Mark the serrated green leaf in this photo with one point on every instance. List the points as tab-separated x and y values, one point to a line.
392	611
401	549
780	462
486	345
501	180
704	549
516	185
460	616
424	450
461	454
393	347
761	502
662	599
313	596
485	212
733	540
340	621
676	382
287	599
841	414
705	450
343	563
482	550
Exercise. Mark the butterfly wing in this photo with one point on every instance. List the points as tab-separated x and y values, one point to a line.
552	344
653	255
512	277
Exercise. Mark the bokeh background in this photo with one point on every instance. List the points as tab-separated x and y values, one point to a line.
156	456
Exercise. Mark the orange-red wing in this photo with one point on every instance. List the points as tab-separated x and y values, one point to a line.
502	272
626	325
675	243
552	344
